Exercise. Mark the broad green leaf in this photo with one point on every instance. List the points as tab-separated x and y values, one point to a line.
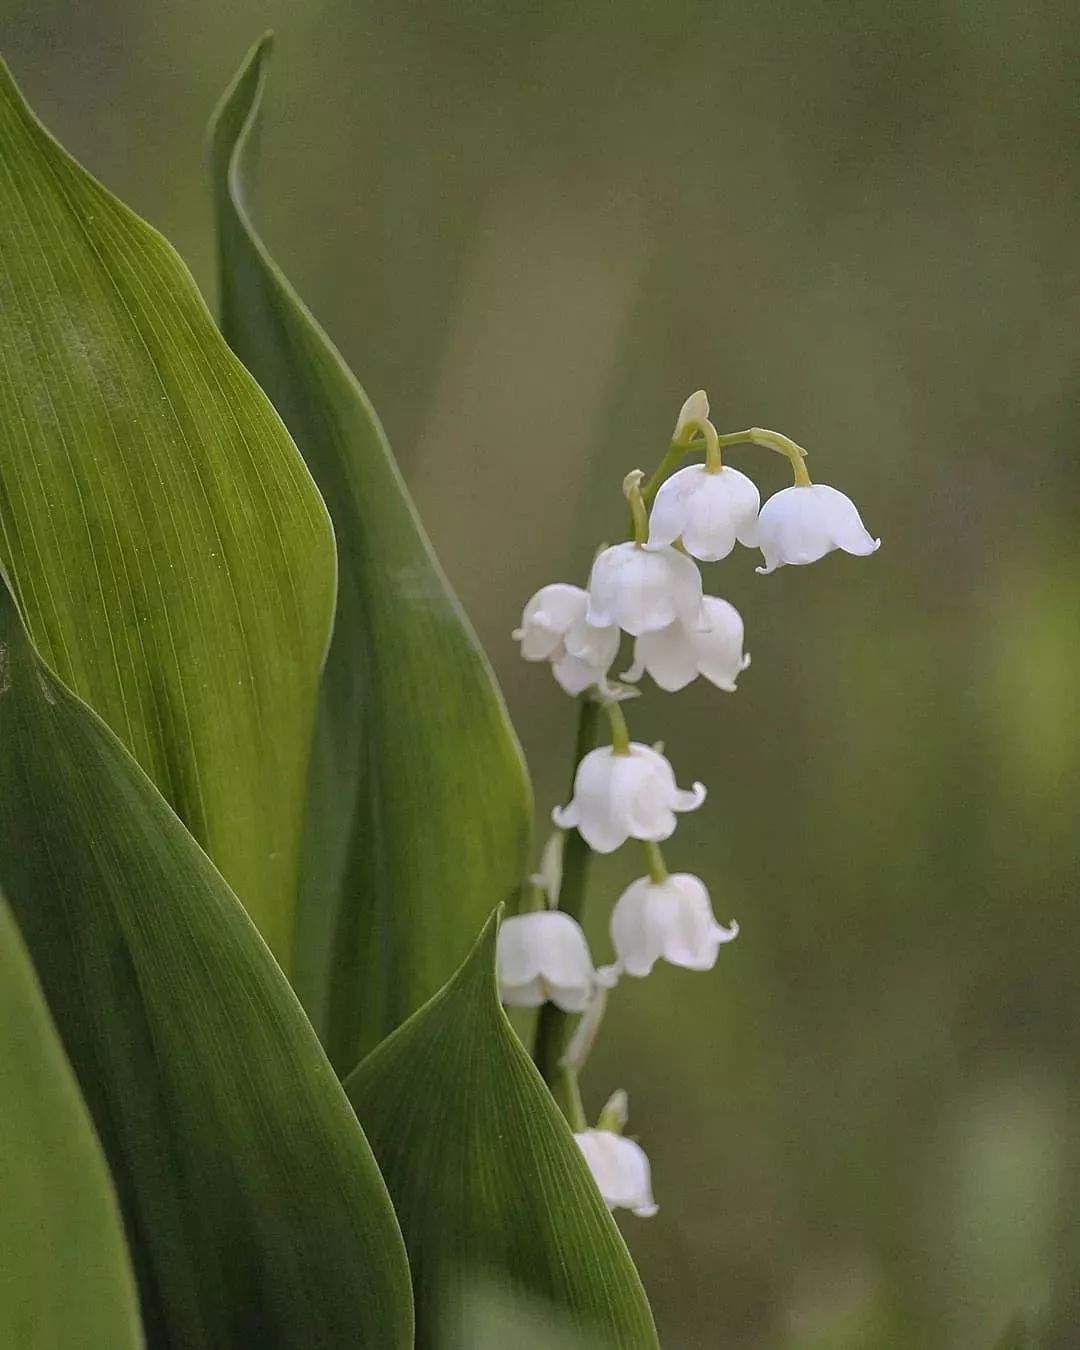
419	805
168	549
65	1279
255	1213
485	1176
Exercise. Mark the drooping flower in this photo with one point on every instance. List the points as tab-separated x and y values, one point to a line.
709	509
554	628
642	590
672	919
625	796
675	655
801	524
544	956
620	1169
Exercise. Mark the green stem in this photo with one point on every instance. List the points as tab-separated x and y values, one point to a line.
620	732
772	440
658	872
554	1027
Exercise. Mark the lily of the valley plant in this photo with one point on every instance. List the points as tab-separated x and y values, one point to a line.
262	809
650	589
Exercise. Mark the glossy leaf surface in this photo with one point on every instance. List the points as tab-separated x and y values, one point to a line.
168	549
419	806
485	1176
254	1210
65	1278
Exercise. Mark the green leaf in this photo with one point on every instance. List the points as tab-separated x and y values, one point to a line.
65	1279
485	1176
419	808
255	1212
168	549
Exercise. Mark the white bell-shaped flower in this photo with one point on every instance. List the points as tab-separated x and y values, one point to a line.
554	628
708	509
642	590
620	1169
672	919
625	796
802	523
694	410
676	655
544	956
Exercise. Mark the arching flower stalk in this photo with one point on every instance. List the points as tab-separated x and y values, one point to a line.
648	587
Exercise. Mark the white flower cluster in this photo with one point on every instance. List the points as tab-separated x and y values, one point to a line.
650	589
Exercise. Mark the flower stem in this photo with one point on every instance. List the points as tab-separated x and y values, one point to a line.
553	1027
620	732
658	872
585	1033
772	440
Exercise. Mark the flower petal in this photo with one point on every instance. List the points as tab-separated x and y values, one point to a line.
575	675
801	524
620	1169
669	656
689	800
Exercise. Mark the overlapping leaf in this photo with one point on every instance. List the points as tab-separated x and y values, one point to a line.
65	1279
486	1179
167	546
255	1212
419	806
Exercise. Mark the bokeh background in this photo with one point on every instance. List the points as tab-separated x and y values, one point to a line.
534	228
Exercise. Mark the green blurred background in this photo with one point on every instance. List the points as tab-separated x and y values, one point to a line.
534	229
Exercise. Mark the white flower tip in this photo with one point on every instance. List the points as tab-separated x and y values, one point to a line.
645	1211
690	801
728	934
745	662
566	817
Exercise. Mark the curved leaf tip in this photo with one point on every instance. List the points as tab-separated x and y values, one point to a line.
486	1179
418	819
